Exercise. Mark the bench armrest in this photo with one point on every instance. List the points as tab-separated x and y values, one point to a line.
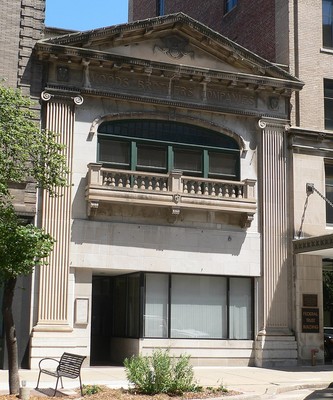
50	359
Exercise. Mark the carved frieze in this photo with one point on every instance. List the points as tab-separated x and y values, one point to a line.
175	47
173	88
205	93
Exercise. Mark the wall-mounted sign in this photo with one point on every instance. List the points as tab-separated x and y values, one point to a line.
81	311
310	320
310	300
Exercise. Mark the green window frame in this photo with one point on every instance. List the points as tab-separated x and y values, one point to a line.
162	146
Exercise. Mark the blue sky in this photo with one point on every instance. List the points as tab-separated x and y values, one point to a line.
85	14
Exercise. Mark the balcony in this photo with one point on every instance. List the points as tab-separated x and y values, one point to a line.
173	190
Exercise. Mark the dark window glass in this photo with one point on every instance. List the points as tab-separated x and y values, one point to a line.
229	5
188	161
119	306
222	165
329	192
328	23
133	306
114	152
126	306
159	7
152	157
328	103
167	131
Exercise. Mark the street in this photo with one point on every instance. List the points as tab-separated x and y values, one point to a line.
303	394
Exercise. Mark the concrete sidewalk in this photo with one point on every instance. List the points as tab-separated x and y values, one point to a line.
252	382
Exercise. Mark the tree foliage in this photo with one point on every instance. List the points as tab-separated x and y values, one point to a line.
328	290
26	150
22	246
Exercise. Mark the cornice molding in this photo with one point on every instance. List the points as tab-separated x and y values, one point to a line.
313	243
236	78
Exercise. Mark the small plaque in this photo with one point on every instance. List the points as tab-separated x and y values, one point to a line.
310	320
81	311
310	300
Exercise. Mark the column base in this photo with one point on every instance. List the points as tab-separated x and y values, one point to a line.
273	351
52	340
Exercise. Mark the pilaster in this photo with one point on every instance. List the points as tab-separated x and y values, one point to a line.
56	220
274	294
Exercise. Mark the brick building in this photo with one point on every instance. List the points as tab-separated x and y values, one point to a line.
22	25
241	24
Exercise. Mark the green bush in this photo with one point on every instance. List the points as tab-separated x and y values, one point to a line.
160	373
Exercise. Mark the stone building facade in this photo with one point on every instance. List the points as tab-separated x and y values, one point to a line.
176	138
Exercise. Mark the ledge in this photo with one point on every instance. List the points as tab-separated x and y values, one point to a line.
173	191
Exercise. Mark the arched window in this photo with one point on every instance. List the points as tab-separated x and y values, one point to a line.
162	146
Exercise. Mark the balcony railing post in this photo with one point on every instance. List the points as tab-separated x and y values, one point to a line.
175	181
249	192
94	175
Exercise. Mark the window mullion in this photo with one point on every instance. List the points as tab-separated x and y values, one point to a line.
170	159
134	155
205	163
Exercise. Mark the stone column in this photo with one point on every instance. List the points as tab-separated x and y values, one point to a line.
56	220
274	339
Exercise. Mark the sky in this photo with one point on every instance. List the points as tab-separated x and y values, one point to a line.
85	14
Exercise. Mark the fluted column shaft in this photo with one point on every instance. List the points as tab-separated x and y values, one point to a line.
56	220
274	225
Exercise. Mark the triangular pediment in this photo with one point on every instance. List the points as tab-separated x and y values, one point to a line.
174	39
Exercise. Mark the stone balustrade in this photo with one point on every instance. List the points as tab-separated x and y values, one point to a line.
168	190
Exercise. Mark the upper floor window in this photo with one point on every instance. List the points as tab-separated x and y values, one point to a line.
229	5
329	192
328	103
159	7
328	23
162	146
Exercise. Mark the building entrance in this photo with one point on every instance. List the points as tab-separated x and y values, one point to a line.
101	323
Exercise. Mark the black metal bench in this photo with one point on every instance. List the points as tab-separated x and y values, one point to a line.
69	366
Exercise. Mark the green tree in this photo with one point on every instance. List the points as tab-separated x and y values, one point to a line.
26	152
328	290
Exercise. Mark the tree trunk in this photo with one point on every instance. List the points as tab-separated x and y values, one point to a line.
10	333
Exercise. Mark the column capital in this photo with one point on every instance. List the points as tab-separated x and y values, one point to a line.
278	123
47	95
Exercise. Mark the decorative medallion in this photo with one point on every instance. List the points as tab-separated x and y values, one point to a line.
175	47
273	103
62	74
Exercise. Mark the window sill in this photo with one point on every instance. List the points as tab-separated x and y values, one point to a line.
326	50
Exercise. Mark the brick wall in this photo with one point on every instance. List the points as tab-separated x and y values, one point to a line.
10	12
22	23
250	23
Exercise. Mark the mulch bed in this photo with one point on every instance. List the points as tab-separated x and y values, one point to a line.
122	394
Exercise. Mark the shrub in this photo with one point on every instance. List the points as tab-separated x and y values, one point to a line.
160	373
90	389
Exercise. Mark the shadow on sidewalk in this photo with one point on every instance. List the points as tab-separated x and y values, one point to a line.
321	394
